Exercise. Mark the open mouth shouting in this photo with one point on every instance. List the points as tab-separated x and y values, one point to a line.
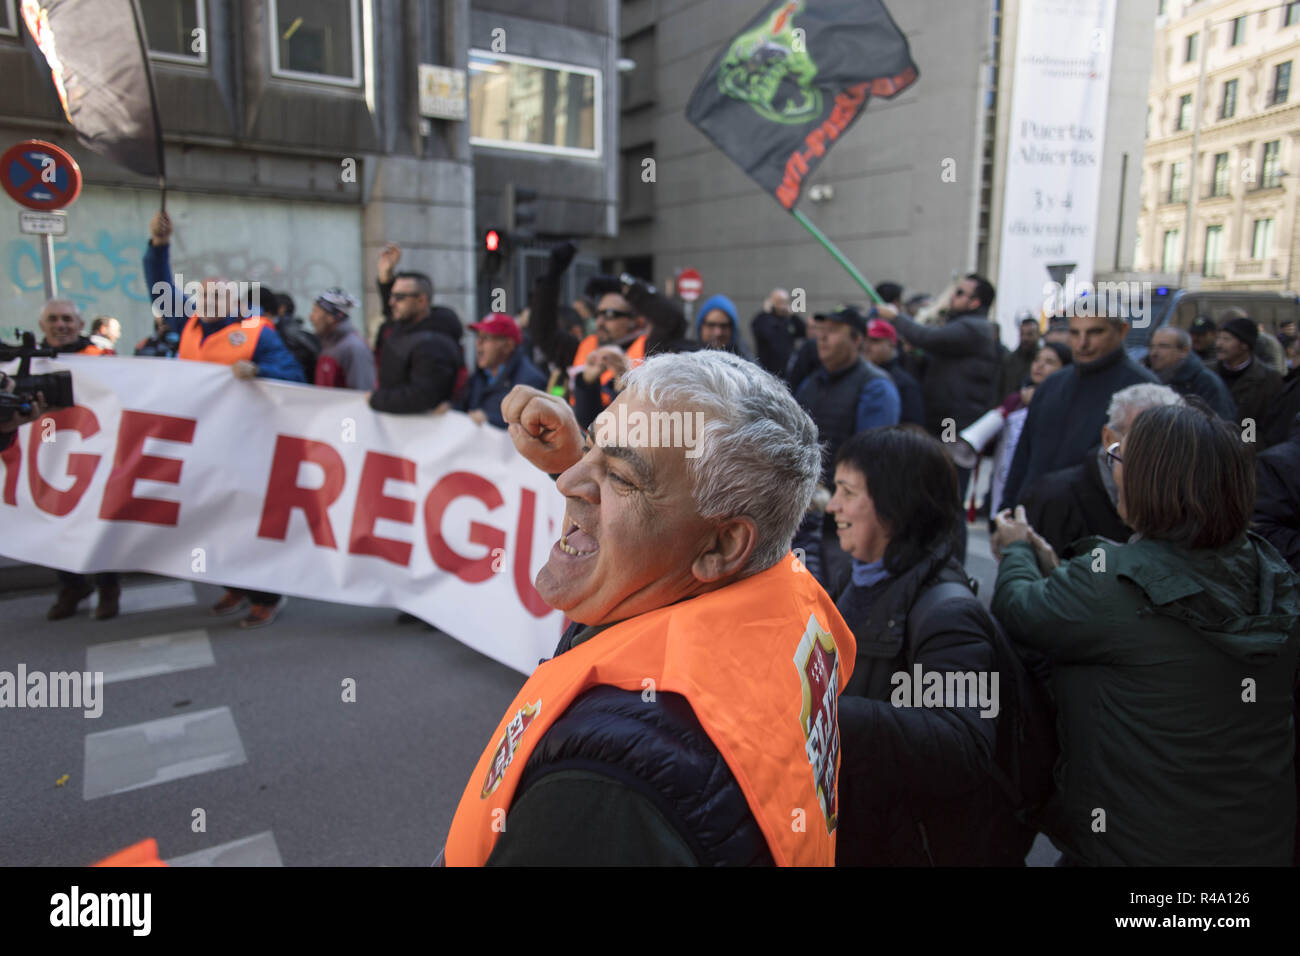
577	542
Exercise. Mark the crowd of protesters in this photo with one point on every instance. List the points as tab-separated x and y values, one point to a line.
1145	514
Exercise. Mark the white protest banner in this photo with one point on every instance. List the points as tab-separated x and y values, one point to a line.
1054	153
181	469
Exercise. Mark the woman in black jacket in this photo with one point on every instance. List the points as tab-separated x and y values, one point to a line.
915	783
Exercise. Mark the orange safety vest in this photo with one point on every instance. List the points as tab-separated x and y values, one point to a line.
761	662
635	355
225	346
94	350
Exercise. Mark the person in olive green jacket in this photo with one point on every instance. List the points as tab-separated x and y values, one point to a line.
1173	659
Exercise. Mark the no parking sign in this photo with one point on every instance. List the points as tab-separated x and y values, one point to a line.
40	175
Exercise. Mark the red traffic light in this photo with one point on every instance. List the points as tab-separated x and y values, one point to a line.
492	240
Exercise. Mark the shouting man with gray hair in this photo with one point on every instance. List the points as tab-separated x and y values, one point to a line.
1083	500
689	714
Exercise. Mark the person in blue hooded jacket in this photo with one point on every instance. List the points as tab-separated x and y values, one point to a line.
718	327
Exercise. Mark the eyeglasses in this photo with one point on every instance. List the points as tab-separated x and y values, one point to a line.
615	314
399	296
1112	454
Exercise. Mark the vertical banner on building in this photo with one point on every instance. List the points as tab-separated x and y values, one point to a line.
1054	153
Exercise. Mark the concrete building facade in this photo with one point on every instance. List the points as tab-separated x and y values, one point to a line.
912	193
1220	189
295	147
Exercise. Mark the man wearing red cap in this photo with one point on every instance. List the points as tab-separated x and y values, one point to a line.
501	366
880	348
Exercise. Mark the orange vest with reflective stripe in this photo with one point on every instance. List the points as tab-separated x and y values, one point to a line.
761	662
635	355
224	346
94	350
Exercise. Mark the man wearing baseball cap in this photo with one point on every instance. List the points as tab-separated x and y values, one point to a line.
345	360
846	394
1253	384
881	350
1204	333
502	365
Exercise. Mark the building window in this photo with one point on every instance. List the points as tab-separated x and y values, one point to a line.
1169	254
1189	49
1184	120
536	105
1219	184
1228	108
1160	7
1281	83
1237	35
316	40
175	30
8	22
1292	14
1261	242
1177	182
1213	265
1271	167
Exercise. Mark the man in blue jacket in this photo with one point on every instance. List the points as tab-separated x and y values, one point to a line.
212	330
271	358
845	395
502	365
1070	406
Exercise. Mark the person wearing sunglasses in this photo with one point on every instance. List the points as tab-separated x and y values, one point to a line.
1173	658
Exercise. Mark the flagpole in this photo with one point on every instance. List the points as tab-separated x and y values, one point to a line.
839	256
153	103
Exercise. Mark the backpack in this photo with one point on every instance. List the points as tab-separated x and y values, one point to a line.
1027	745
303	345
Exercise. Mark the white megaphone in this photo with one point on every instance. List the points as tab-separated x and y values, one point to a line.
975	437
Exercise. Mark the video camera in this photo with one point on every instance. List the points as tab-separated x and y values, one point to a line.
55	387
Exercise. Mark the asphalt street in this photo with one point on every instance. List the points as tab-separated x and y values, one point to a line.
234	747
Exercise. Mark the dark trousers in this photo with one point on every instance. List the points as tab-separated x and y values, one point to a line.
106	579
263	598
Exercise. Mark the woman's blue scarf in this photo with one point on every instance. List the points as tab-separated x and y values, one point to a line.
865	575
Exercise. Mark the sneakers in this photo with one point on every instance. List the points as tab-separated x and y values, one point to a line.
230	603
261	615
108	602
66	603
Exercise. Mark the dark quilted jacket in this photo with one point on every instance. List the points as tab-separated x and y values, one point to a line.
663	760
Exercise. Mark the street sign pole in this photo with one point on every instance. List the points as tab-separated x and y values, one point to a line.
47	264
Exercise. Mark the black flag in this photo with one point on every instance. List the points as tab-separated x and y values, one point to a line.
96	53
793	80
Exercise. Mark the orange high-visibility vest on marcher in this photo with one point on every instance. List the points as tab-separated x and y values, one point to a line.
225	346
761	662
94	350
635	356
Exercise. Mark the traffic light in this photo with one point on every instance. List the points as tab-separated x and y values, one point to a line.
521	211
494	251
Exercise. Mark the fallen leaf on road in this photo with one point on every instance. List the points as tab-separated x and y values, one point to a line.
61	781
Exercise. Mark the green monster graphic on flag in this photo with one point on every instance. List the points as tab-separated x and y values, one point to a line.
784	90
769	69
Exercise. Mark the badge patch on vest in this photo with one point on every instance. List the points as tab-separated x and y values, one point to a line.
508	744
819	672
237	338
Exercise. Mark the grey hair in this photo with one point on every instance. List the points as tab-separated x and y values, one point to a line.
60	300
1181	337
1138	398
758	454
